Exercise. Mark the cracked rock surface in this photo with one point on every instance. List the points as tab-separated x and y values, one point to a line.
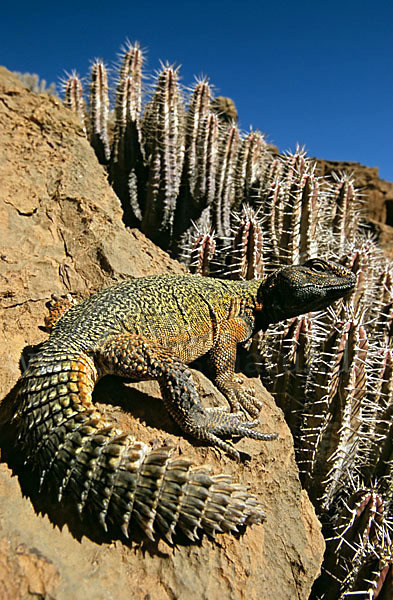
62	232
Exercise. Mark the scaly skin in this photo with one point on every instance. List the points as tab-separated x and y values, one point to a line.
150	328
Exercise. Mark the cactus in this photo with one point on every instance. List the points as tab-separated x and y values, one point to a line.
195	126
360	535
164	133
378	452
36	85
126	163
203	249
98	112
246	255
297	209
348	420
252	160
346	209
292	363
224	194
73	97
330	387
199	170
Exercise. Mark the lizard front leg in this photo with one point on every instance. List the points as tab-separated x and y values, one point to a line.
236	388
138	358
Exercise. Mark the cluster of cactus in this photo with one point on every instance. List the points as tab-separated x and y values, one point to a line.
173	158
331	372
228	207
36	85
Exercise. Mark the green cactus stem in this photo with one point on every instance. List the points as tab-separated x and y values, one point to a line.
293	362
195	125
359	535
332	420
197	191
378	435
298	209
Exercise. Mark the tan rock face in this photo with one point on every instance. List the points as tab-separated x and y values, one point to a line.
225	108
378	193
61	231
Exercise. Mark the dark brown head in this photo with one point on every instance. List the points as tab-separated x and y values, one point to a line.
299	289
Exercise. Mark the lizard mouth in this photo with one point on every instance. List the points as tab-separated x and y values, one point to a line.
346	287
312	298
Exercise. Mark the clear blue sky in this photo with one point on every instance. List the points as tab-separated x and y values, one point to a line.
316	73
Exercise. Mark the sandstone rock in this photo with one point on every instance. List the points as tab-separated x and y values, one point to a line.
62	231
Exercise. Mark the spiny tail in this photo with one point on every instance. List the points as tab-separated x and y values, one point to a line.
110	474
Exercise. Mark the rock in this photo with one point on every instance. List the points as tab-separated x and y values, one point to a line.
62	231
378	199
383	234
378	193
225	108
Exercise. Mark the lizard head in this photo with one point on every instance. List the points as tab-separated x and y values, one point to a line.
299	289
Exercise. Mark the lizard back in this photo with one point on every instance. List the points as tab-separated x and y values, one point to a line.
181	312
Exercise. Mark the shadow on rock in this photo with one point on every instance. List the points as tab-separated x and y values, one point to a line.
110	392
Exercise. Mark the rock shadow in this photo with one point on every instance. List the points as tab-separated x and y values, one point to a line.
111	391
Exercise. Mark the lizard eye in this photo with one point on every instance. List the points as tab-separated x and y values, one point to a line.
317	265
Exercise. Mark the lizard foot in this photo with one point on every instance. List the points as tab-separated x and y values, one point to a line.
215	424
240	394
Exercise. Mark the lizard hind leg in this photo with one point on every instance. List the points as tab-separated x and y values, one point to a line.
56	309
139	358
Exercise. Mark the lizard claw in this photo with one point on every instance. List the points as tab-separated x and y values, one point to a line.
219	424
240	394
